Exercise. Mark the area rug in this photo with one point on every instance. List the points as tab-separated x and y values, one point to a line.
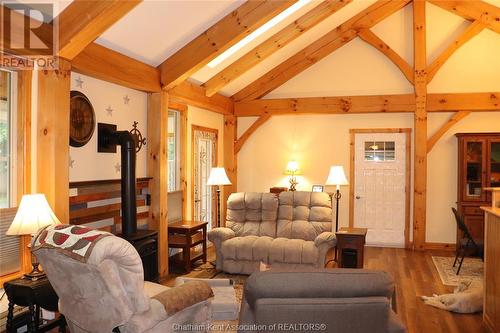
472	269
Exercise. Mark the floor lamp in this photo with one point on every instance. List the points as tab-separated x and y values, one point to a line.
337	177
218	178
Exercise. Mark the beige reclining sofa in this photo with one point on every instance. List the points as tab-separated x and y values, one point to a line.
293	230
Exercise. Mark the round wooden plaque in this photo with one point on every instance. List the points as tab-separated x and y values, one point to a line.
82	119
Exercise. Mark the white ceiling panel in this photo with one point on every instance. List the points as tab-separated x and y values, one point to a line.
156	29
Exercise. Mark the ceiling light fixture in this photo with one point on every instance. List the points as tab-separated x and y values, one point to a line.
268	25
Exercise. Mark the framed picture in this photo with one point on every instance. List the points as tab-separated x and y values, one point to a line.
317	188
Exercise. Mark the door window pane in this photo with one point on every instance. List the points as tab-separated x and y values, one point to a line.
173	151
379	151
5	142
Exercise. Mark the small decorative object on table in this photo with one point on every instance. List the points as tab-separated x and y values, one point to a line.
317	188
350	247
35	295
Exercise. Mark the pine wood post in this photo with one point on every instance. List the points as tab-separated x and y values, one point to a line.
158	170
230	162
420	136
52	143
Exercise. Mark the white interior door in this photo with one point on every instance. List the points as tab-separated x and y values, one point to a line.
380	187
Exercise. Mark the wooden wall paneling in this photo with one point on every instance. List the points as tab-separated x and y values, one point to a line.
471	31
273	44
230	161
368	36
420	126
108	65
158	171
218	38
441	131
83	21
473	10
52	155
245	136
319	49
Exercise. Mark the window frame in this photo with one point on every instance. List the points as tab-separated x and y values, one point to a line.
20	177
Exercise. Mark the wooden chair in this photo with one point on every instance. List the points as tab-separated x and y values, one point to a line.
466	242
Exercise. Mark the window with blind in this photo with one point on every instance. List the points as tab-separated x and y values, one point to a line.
9	245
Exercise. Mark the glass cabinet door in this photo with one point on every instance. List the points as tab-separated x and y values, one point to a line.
474	182
494	163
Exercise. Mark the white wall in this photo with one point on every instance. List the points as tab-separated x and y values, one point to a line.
88	164
318	141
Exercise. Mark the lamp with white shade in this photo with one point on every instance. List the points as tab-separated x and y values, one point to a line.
292	170
33	214
337	177
218	178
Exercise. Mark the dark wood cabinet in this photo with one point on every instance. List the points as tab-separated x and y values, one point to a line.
478	167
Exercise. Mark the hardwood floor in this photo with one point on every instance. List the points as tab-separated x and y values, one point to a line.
415	275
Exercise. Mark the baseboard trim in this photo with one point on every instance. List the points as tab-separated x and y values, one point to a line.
440	246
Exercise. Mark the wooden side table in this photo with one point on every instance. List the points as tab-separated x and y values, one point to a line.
350	247
35	295
185	235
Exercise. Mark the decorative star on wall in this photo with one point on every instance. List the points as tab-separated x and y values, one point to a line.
118	167
109	110
71	162
126	99
79	82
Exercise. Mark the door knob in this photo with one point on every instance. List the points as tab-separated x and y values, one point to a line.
358	197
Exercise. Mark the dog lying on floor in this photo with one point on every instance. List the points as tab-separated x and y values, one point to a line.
466	298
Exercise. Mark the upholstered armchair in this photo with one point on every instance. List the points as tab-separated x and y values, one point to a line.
107	293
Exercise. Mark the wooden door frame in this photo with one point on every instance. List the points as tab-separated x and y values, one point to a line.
206	129
407	131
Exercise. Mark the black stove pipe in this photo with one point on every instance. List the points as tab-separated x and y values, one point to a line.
129	206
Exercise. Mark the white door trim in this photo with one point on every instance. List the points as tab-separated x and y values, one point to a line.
407	131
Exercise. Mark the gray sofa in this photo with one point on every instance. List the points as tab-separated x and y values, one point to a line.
291	231
338	300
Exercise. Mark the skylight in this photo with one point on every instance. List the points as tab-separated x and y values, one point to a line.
265	27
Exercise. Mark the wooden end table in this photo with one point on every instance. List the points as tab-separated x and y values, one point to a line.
185	235
350	247
35	295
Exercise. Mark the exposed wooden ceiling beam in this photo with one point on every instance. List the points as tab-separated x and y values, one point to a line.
84	20
273	44
441	131
368	104
368	36
327	105
218	38
108	65
319	49
192	94
244	137
471	31
473	10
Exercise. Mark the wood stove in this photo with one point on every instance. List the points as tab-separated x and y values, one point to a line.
144	241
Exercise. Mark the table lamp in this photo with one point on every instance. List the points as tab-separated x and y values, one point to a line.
337	177
33	214
292	170
218	178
